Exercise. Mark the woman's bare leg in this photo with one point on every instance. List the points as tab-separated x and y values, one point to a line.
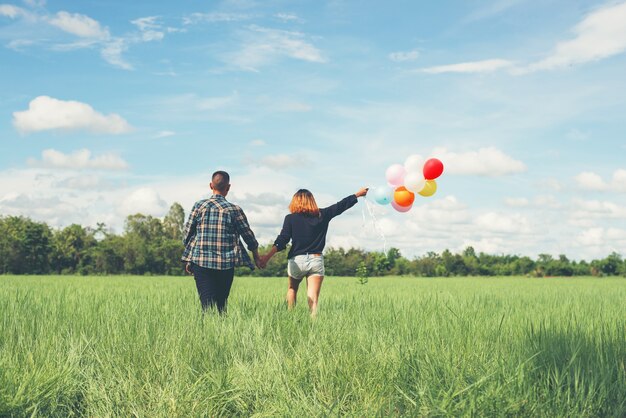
314	285
292	292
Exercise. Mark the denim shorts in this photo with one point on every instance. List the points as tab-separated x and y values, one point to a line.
305	265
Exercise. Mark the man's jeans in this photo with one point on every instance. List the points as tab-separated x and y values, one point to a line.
213	286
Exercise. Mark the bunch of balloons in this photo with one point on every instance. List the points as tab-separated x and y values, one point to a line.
405	181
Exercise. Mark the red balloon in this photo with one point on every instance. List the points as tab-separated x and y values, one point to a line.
432	169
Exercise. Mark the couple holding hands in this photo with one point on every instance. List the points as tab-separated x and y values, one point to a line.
213	248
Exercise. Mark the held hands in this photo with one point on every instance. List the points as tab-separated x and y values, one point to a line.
260	260
362	192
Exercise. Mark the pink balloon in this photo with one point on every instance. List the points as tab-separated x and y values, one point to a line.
401	208
395	175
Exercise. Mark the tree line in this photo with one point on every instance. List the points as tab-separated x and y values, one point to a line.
150	245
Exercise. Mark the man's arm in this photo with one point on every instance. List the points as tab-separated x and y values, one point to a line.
189	233
243	229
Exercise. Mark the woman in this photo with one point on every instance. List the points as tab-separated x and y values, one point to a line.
306	226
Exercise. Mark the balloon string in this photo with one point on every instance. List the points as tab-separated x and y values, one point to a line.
377	227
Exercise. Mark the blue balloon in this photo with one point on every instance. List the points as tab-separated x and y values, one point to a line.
383	195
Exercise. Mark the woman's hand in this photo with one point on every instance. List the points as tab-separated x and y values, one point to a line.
362	192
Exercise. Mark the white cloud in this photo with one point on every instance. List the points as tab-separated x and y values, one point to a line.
164	134
503	223
516	202
288	17
289	106
144	200
446	211
485	162
12	11
257	143
79	25
591	181
492	9
112	53
404	56
599	242
577	135
151	29
601	34
283	161
79	160
484	66
214	17
218	102
263	45
584	210
46	113
35	3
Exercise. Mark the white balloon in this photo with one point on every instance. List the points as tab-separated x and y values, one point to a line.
414	164
414	182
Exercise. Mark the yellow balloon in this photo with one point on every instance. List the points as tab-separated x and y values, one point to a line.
429	189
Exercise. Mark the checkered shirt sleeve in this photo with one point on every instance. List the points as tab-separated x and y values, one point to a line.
211	235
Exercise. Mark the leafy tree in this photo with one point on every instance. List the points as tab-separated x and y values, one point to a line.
174	222
25	246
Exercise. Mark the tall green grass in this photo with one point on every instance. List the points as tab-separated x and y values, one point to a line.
139	346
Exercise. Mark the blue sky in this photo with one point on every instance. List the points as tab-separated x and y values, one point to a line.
109	108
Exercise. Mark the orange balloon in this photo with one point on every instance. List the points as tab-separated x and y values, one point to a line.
403	197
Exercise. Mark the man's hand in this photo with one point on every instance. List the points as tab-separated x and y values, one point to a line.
362	192
188	268
258	260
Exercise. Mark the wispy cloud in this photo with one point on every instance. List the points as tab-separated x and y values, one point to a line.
601	34
87	32
279	161
484	66
404	56
289	17
79	25
150	28
214	17
13	12
263	45
490	162
78	160
493	9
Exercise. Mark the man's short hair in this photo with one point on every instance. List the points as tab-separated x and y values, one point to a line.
220	180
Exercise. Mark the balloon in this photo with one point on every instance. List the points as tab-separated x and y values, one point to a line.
403	197
429	189
401	208
432	169
414	163
414	182
395	175
383	195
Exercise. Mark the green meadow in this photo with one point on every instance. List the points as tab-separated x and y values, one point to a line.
139	346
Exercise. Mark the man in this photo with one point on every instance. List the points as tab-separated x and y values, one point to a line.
212	245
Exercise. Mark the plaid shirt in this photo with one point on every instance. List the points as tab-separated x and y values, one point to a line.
211	235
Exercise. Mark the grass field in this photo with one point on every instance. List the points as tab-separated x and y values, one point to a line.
138	346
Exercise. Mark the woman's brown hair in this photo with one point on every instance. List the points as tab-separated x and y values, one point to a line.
304	202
